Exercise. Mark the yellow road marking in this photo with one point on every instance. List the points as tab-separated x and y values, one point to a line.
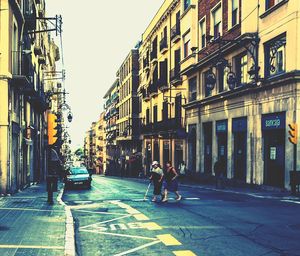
184	253
152	226
132	211
140	217
13	246
168	240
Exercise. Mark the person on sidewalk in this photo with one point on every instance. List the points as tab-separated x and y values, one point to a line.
170	182
219	169
156	177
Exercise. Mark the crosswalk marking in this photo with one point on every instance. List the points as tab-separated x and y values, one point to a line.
168	240
140	217
152	226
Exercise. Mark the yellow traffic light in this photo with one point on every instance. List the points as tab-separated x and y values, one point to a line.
293	132
52	123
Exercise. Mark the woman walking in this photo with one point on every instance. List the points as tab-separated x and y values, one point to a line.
171	182
156	176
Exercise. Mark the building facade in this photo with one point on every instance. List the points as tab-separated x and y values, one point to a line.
161	88
25	56
129	121
243	87
111	129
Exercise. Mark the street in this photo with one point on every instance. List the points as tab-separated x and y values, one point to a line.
113	219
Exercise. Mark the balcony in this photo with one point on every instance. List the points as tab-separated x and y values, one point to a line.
146	63
29	15
153	89
175	33
163	45
175	76
153	55
22	71
163	84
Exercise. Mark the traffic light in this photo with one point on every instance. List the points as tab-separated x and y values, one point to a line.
52	123
293	132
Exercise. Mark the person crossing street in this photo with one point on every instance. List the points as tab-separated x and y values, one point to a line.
170	182
156	177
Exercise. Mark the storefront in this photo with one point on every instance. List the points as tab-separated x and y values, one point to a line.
166	151
192	144
273	128
221	132
239	129
178	152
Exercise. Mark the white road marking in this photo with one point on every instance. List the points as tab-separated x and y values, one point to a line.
103	213
96	188
120	235
106	221
137	248
290	201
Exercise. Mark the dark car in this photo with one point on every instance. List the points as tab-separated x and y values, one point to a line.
78	176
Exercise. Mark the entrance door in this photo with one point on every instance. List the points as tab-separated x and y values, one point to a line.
240	155
222	148
15	165
178	153
207	148
274	158
156	151
166	152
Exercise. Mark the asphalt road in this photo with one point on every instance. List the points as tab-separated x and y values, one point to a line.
113	219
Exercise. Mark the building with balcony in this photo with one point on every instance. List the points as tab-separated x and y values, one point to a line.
25	56
129	122
242	73
100	144
111	129
161	88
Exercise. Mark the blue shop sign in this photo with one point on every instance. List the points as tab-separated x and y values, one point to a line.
221	126
273	121
239	124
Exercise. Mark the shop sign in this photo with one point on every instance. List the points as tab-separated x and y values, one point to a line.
273	121
221	126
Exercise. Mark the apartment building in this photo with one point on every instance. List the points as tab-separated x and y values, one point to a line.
129	122
25	56
111	129
161	88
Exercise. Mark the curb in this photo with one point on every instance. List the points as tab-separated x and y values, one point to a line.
70	233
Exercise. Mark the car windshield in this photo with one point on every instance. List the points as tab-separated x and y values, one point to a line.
75	171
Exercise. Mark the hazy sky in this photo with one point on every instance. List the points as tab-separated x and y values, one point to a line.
97	36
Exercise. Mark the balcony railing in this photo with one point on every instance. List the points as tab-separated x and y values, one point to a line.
175	75
175	32
153	55
163	83
153	88
169	125
163	45
21	69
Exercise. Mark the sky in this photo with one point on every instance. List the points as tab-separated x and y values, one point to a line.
97	36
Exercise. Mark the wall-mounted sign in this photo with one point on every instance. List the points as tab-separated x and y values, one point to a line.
273	121
221	126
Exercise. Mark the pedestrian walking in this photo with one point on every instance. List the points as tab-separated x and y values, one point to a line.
170	182
156	177
219	169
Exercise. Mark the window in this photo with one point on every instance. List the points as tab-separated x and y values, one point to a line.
271	3
187	45
217	21
221	74
208	92
192	89
202	33
155	114
234	13
275	56
147	116
242	69
186	4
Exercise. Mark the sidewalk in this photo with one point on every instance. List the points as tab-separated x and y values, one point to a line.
29	226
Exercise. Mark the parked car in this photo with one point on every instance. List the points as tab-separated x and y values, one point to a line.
78	176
